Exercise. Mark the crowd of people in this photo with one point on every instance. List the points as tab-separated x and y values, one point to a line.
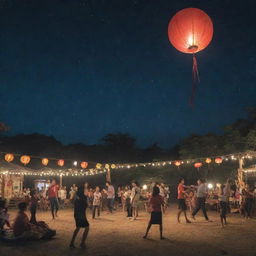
154	198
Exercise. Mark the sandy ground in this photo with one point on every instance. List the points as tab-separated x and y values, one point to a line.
115	235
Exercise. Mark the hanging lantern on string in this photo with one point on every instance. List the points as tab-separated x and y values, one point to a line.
113	166
218	160
107	166
198	165
208	160
84	165
190	31
61	162
9	157
25	159
98	166
45	161
177	163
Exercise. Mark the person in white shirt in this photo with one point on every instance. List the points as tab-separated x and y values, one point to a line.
96	202
201	195
111	196
135	198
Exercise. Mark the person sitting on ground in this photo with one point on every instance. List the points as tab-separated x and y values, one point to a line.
4	216
156	203
80	206
25	230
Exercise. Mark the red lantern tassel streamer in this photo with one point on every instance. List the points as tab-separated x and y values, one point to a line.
195	80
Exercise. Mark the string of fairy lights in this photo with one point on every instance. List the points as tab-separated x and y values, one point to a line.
80	168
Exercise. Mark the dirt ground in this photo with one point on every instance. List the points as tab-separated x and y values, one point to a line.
115	235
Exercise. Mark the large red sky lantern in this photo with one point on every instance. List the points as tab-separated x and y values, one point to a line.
190	31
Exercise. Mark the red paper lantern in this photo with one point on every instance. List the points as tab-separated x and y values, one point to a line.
218	160
190	31
198	165
25	159
61	162
45	161
84	165
9	157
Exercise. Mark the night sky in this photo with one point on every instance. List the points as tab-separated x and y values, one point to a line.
78	69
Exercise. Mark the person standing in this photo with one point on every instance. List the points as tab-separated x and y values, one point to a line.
223	199
53	198
135	198
127	198
80	205
201	195
96	202
156	203
110	196
248	193
33	206
182	203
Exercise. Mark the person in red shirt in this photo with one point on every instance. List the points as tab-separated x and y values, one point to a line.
181	200
156	203
53	198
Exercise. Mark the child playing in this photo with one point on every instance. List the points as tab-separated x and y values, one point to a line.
96	202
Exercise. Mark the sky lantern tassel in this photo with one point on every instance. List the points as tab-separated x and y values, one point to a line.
195	80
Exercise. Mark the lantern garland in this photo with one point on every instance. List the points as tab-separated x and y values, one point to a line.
96	168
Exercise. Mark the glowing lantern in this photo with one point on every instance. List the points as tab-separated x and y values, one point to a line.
218	160
198	165
25	159
84	165
177	163
9	157
190	31
113	166
107	166
61	162
208	160
98	165
45	161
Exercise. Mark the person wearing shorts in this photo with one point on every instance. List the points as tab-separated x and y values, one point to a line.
181	201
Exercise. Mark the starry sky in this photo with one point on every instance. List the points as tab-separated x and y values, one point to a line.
79	69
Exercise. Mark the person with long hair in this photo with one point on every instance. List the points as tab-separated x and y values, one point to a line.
80	205
156	203
182	202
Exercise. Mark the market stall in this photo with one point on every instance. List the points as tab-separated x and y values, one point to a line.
11	179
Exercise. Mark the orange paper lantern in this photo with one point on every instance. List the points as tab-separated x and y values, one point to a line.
45	161
9	157
84	165
177	163
208	160
218	160
25	159
61	162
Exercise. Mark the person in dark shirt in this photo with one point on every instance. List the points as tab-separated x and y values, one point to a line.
80	206
33	206
156	203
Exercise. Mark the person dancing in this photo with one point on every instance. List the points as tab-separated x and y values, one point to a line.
53	198
80	206
201	195
182	203
156	203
